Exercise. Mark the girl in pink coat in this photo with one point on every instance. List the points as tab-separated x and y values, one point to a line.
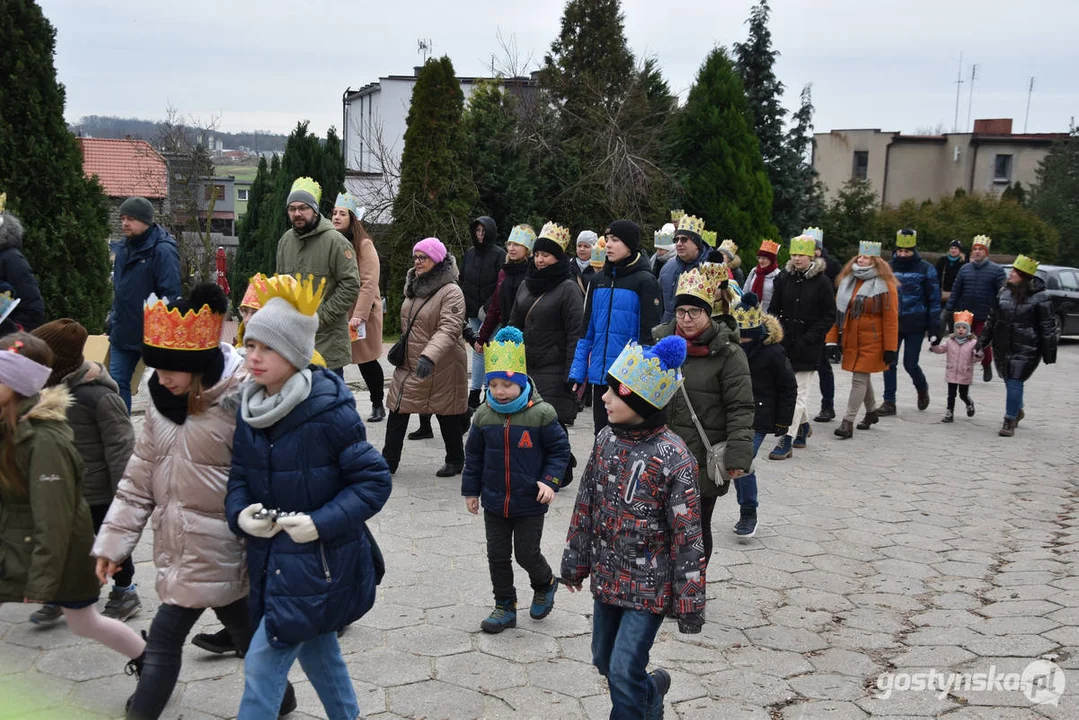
961	353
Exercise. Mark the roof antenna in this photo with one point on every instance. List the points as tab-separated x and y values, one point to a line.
425	48
1030	91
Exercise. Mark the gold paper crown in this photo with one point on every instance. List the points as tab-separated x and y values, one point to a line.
709	237
691	223
167	329
3	201
729	247
676	215
747	317
599	253
803	245
703	285
906	238
870	248
251	299
557	233
506	355
983	240
769	246
300	294
309	185
816	233
645	376
964	316
1022	263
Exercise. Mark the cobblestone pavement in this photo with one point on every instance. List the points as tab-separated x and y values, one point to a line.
913	546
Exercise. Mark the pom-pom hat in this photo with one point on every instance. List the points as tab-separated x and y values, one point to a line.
646	378
504	357
184	335
747	313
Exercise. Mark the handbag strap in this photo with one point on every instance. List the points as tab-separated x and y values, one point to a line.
529	313
693	414
412	318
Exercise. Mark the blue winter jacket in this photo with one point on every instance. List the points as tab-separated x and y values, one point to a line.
668	280
623	304
147	264
507	456
316	460
919	295
975	288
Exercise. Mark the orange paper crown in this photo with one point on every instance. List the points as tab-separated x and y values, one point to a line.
769	246
169	330
964	316
251	298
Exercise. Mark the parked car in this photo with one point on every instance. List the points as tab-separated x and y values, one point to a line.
1062	284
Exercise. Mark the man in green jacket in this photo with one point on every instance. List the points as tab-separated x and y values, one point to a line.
314	247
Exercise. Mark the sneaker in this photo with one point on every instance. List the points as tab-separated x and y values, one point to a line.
885	408
747	523
122	603
134	666
219	643
662	680
949	416
46	615
805	431
970	410
987	373
543	601
782	450
923	399
503	616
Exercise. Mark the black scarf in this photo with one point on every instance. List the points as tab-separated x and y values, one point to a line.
174	407
540	281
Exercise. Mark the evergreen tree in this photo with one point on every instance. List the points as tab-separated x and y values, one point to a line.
65	215
1056	196
851	218
435	196
250	254
725	181
807	186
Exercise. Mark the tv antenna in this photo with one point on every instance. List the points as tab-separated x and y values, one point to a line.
970	100
1030	91
958	88
425	47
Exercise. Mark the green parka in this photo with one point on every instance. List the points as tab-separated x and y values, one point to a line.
46	533
325	253
721	388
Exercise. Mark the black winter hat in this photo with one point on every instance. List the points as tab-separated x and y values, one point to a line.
139	209
628	232
955	244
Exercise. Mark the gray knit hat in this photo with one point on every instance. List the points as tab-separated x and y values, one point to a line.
587	236
139	209
286	330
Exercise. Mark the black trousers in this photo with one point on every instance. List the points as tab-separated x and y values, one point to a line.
964	393
164	648
708	506
375	380
827	380
126	573
599	410
448	425
520	537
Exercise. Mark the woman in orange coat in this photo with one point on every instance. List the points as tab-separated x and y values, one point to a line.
867	312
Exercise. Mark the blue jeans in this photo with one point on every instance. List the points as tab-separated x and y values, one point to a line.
1013	397
266	671
621	640
121	367
476	381
911	345
745	487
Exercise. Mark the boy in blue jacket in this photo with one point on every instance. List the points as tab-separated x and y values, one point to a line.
515	457
300	448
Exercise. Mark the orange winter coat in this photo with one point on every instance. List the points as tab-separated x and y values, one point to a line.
867	337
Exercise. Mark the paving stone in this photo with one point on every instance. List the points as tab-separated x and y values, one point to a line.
821	709
828	687
431	640
785	638
435	700
844	662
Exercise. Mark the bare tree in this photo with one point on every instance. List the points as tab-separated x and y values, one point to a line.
375	183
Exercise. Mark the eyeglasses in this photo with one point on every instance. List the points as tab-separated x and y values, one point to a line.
420	258
692	313
296	208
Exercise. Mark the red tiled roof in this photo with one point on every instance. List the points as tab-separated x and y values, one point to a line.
125	167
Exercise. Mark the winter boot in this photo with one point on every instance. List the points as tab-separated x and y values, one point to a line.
424	431
378	414
219	643
503	616
827	414
970	410
1018	417
1007	429
923	399
845	431
987	373
949	416
782	450
884	409
869	420
804	432
662	680
288	702
473	399
747	522
134	666
543	601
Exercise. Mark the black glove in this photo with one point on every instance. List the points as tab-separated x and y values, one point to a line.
835	354
425	366
889	357
945	320
469	335
570	385
934	337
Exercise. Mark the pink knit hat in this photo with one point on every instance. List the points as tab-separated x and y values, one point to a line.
431	247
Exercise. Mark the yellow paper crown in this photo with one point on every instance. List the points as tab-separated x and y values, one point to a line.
709	237
747	317
906	238
728	246
691	223
676	215
1022	263
3	201
300	294
645	376
557	233
308	185
769	246
167	329
803	245
983	240
505	353
869	248
703	285
599	253
964	316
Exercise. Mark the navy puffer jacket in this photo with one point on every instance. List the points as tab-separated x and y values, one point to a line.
316	460
975	288
147	264
919	294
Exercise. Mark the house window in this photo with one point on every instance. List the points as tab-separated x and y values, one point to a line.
1002	169
217	192
241	195
861	165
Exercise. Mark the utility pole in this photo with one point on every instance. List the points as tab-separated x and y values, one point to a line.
958	88
970	102
1030	91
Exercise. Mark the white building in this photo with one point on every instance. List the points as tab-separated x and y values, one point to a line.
374	136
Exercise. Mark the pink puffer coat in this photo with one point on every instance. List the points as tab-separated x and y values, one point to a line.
176	479
960	368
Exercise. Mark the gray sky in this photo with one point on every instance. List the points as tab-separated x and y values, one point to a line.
265	65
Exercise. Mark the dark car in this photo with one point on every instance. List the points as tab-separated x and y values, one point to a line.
1062	284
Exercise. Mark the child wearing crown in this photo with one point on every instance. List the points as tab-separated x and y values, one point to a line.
301	449
515	457
636	528
961	352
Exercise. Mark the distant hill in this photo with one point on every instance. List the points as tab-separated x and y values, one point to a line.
104	126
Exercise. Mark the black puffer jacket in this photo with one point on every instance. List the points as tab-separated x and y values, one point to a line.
1023	334
774	386
16	272
479	271
804	302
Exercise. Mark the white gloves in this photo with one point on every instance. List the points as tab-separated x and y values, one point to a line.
257	527
301	528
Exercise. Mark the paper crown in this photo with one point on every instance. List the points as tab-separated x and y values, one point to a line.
651	373
703	285
803	245
664	238
599	253
1024	264
963	316
523	235
308	185
555	232
906	238
816	233
870	248
729	247
691	223
251	299
300	294
505	353
769	246
676	215
747	313
984	240
3	201
709	237
167	329
350	202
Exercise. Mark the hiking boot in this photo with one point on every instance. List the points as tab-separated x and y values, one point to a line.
473	399
747	523
970	411
122	603
543	601
805	431
868	421
134	666
987	373
662	679
827	414
378	414
782	450
449	470
219	643
923	399
949	416
1018	417
424	432
46	615
288	702
503	616
1007	429
845	431
885	408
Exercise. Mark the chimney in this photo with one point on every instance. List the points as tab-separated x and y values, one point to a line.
997	126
